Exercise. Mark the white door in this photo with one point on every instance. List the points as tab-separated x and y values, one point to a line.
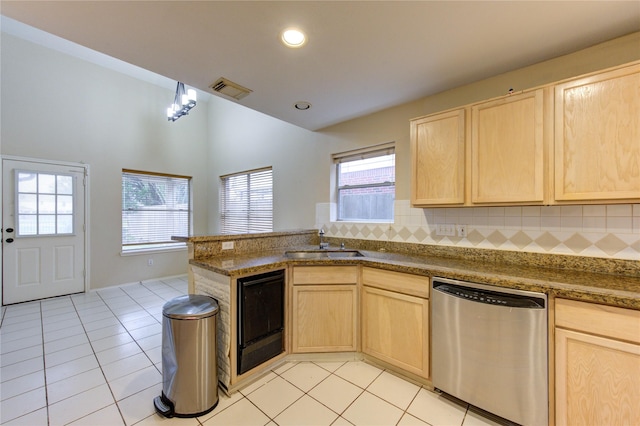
43	223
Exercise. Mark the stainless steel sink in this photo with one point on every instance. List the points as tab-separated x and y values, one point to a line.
307	254
345	253
321	254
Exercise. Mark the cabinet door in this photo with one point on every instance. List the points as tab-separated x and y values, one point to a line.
597	380
303	275
437	159
395	329
507	150
597	137
324	318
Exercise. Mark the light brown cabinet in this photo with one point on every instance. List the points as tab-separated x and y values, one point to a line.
507	150
325	309
488	153
438	159
597	137
597	364
570	142
395	319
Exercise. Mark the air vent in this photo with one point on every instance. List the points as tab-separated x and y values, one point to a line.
229	88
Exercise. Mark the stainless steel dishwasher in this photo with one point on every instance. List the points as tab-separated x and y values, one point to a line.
489	348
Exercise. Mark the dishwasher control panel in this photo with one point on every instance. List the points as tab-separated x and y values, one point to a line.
491	297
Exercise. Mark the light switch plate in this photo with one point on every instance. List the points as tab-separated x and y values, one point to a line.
227	245
446	229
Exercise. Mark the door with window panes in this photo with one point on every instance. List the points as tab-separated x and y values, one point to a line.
43	252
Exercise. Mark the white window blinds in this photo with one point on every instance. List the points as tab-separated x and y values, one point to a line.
246	202
366	184
155	207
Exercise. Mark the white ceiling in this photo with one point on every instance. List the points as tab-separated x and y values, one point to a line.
361	56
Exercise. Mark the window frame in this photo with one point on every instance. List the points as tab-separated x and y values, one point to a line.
37	214
373	151
230	223
141	247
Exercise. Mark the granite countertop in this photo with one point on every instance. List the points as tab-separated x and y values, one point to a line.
609	289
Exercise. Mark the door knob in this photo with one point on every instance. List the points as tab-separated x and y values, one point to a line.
9	240
9	229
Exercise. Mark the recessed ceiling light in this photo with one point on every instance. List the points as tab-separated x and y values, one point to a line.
302	106
293	37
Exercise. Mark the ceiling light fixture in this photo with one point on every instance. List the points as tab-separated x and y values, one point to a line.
182	103
293	37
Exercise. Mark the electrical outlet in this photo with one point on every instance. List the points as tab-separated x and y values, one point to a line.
227	245
462	230
446	230
149	262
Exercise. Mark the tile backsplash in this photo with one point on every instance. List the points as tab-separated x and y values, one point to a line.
607	231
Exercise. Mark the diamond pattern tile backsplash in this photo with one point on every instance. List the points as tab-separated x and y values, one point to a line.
608	231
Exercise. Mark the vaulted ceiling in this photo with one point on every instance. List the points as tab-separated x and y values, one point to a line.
361	56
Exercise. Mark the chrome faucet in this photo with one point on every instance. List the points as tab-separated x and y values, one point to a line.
322	243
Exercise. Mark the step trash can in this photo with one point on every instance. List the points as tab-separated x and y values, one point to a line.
189	366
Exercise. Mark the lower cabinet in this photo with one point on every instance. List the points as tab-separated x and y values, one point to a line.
395	319
597	364
325	309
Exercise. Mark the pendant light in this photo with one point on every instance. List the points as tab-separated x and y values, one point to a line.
182	103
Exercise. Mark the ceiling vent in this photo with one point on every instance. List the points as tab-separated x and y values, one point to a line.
229	88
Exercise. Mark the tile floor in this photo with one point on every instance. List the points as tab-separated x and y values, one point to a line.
95	359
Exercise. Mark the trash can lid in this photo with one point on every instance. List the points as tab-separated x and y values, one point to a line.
190	306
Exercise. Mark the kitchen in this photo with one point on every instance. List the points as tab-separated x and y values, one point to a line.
207	140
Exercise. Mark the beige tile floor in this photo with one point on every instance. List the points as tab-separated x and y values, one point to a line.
95	359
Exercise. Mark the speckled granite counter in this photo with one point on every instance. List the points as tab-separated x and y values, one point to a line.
607	288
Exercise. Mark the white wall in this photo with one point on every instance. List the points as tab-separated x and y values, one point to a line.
600	231
58	107
242	140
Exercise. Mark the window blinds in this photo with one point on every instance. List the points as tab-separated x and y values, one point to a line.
155	207
246	202
366	183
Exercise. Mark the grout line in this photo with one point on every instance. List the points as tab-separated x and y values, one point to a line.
44	365
76	308
199	422
106	382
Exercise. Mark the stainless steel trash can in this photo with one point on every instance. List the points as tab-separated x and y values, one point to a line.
189	367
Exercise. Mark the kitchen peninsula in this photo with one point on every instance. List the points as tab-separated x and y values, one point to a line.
610	288
608	281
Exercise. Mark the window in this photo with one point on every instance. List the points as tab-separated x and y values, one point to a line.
44	204
155	207
366	184
246	202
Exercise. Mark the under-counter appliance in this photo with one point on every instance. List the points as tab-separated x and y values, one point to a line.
489	348
260	319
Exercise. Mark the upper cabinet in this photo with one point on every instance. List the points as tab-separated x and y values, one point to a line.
577	141
437	159
597	137
507	150
489	153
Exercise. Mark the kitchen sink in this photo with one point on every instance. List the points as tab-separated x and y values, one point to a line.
322	254
307	254
345	253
